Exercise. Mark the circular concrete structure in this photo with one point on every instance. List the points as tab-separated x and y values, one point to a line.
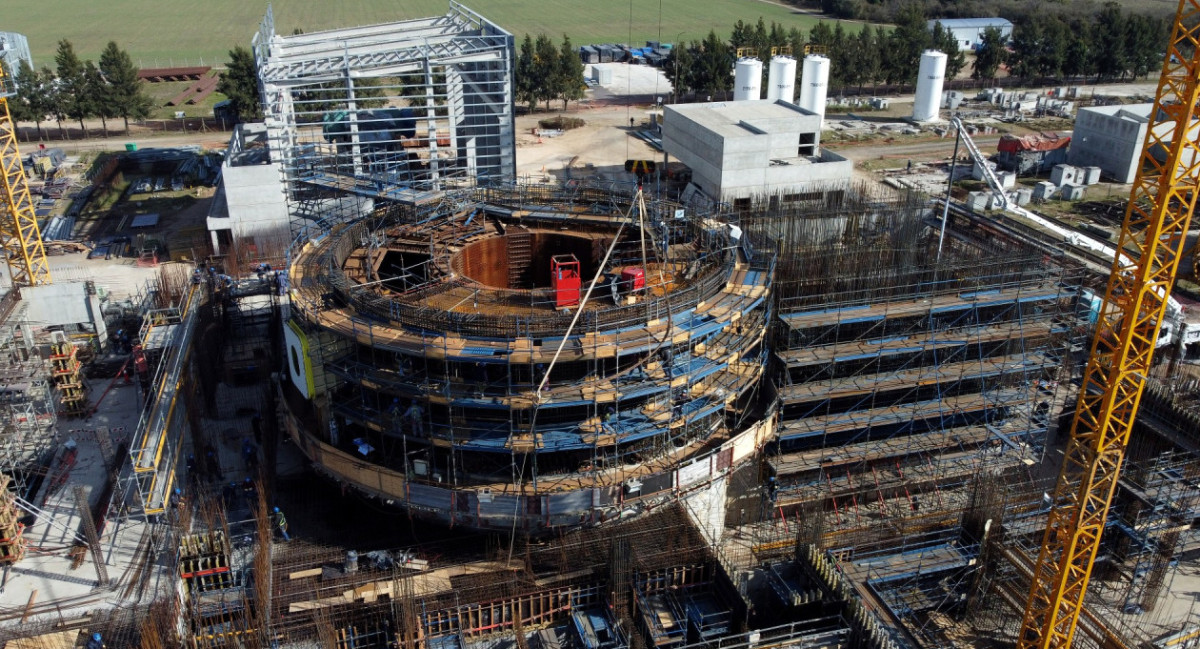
433	361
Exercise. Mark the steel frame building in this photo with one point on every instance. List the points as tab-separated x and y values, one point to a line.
395	112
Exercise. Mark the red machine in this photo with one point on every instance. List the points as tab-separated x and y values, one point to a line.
564	271
633	279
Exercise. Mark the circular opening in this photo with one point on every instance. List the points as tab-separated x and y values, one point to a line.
524	259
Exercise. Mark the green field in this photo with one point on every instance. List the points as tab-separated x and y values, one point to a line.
173	32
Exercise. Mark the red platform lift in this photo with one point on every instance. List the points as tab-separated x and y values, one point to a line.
565	278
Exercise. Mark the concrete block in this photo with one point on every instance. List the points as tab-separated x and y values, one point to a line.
1071	192
1064	174
1091	175
1044	190
978	201
1023	196
1008	179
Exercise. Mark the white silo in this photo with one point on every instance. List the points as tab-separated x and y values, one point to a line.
747	79
930	77
781	79
814	84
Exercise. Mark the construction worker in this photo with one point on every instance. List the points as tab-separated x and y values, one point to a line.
281	523
96	642
415	421
211	464
249	455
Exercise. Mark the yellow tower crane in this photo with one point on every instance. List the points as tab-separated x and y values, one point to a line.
1149	248
20	239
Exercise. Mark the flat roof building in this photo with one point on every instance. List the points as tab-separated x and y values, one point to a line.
741	149
969	31
1110	137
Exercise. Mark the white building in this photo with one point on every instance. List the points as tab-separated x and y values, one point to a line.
739	150
249	202
969	31
1110	137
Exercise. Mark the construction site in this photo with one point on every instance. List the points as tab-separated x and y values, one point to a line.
410	400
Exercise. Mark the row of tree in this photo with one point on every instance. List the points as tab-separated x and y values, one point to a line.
545	73
79	90
872	56
1112	44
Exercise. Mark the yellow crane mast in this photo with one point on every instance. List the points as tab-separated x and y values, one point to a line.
20	239
1149	250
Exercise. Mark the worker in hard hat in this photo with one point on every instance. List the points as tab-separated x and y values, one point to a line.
281	523
96	642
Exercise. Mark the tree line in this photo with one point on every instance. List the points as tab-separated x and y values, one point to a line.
869	56
545	73
1110	45
79	90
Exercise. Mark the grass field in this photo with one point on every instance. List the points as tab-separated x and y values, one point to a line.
159	34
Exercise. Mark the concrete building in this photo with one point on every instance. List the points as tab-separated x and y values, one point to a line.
249	201
969	31
1110	137
738	150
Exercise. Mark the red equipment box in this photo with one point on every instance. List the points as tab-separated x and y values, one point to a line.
564	272
633	279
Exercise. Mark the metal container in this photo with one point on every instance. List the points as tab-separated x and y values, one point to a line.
930	77
781	79
814	84
747	79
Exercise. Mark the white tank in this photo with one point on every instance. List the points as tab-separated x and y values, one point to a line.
781	79
930	77
747	79
814	84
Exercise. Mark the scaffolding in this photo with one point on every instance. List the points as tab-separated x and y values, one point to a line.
391	113
27	410
898	378
67	373
431	343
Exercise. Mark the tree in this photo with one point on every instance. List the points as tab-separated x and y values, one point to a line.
31	103
990	55
868	63
55	100
1109	42
100	95
570	73
680	68
239	82
712	66
1078	60
76	99
943	39
524	81
545	64
128	95
910	37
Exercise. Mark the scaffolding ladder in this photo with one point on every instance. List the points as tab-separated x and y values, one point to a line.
67	372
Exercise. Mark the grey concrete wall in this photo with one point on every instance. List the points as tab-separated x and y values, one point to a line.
1110	142
255	200
694	146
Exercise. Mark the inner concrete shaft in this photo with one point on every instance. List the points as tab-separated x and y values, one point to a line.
521	259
